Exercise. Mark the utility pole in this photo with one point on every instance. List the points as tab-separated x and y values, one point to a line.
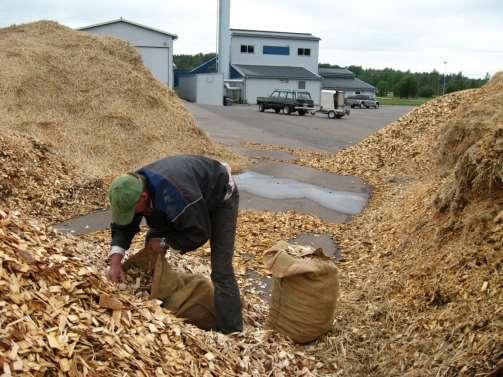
445	71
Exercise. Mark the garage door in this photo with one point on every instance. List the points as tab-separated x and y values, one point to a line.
157	60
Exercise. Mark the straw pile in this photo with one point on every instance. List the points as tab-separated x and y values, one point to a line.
92	100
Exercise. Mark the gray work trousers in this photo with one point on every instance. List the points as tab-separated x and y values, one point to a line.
223	235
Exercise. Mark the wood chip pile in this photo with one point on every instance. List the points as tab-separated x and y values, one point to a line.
40	184
424	259
421	286
93	101
59	316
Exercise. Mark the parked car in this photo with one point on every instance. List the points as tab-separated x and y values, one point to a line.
287	100
362	101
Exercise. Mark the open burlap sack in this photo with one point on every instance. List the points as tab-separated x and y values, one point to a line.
304	292
188	296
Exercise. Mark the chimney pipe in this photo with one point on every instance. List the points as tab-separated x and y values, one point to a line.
224	37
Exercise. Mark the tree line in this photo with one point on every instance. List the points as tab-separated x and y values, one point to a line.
388	80
189	62
412	84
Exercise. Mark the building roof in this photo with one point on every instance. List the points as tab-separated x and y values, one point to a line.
336	72
174	36
275	72
273	34
346	84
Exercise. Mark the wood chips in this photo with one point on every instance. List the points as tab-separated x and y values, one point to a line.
58	316
93	101
420	287
424	289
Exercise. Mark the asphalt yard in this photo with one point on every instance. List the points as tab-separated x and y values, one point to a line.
237	124
304	189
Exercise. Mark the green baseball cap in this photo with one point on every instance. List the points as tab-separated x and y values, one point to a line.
124	193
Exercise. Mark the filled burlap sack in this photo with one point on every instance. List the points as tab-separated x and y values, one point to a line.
304	292
188	296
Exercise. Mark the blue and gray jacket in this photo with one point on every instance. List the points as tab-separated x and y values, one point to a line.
184	190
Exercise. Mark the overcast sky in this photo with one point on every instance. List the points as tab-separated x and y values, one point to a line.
416	35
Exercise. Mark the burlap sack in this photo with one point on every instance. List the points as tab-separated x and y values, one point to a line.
304	292
188	296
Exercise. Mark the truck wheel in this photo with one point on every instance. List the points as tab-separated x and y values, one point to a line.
331	114
287	110
302	112
261	107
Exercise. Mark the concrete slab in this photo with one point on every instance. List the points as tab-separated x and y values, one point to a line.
250	201
101	220
312	176
324	241
264	154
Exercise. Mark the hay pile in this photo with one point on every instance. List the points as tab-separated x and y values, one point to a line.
92	100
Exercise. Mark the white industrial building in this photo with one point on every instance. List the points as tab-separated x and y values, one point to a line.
155	46
254	63
268	60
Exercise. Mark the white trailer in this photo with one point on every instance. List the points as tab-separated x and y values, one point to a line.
332	103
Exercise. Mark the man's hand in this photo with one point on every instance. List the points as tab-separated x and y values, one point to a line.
115	272
157	245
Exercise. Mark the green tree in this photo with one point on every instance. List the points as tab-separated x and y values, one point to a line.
189	62
383	88
407	86
426	91
328	65
388	79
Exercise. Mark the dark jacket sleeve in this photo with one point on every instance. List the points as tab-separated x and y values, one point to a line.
191	229
122	235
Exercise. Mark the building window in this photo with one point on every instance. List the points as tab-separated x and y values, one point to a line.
302	85
357	92
276	50
247	49
304	52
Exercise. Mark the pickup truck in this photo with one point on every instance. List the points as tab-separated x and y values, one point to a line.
362	101
287	100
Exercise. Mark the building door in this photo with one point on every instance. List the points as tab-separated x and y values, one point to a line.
156	59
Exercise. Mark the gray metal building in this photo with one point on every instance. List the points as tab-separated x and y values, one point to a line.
345	80
155	46
261	80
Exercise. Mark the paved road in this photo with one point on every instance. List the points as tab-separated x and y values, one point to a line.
232	125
